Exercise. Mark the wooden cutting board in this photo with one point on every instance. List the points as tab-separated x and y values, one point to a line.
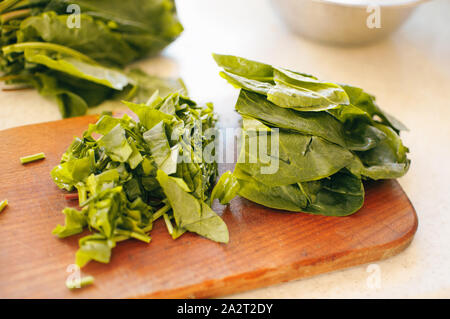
266	246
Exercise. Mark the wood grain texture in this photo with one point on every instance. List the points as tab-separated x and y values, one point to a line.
266	246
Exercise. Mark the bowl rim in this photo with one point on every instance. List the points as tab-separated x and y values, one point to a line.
381	3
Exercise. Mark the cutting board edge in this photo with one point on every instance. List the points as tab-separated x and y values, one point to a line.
270	276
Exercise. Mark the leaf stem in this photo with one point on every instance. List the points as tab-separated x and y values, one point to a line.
161	211
32	158
140	237
20	47
18	14
168	224
88	280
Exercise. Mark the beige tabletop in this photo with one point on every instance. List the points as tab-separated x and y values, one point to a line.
410	75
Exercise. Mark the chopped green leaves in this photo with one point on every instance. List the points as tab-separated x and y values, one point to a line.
116	145
191	213
138	172
94	247
74	223
165	157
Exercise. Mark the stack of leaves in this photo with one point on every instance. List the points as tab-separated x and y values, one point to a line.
137	172
329	138
78	57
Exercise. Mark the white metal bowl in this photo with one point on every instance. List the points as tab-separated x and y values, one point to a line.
345	22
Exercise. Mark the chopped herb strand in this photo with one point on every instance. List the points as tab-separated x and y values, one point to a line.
3	204
83	282
160	212
32	158
140	237
168	223
71	196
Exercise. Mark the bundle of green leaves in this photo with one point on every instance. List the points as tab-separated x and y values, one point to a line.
329	137
75	51
128	174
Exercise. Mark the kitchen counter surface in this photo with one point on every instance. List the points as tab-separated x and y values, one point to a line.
410	75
